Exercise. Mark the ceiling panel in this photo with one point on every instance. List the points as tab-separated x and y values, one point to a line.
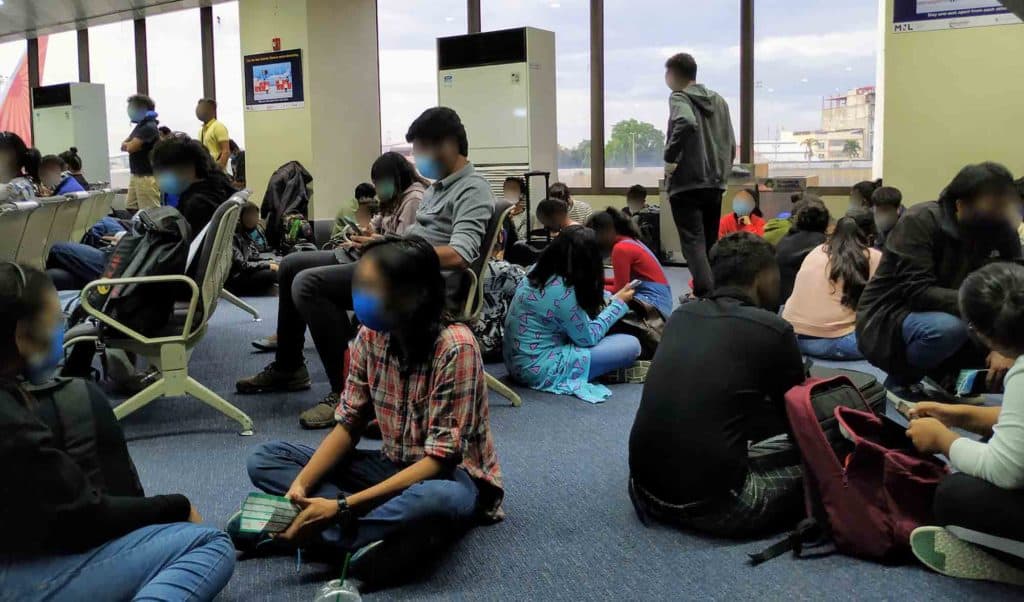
20	19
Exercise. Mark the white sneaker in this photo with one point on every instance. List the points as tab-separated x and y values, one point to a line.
945	553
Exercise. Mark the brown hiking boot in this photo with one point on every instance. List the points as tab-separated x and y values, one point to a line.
321	415
271	379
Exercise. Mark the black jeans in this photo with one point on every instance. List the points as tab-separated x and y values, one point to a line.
697	213
965	501
315	291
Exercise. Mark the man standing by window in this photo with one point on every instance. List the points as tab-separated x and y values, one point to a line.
213	134
143	192
698	159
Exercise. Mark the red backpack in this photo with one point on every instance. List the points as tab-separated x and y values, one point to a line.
865	487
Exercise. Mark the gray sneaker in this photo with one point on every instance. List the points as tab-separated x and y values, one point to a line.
320	416
945	553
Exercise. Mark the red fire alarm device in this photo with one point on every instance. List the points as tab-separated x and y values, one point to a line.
276	43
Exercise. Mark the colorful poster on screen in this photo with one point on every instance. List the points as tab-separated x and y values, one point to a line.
930	15
273	80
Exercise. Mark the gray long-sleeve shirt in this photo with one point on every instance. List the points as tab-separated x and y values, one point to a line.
454	212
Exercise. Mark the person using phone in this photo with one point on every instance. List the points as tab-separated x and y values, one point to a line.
632	261
986	493
76	522
556	331
436	473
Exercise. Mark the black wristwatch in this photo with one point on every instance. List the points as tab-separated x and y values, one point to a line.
344	512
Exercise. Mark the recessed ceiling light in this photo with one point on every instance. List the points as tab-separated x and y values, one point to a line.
556	5
848	68
803	80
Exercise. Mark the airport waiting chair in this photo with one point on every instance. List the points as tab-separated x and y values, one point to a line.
100	207
242	305
13	221
63	226
85	211
171	350
474	303
33	247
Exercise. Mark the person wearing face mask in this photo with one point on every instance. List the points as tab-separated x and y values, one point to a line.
54	179
745	216
250	273
19	171
514	191
213	135
143	191
908	320
77	524
400	190
316	287
887	205
436	473
700	450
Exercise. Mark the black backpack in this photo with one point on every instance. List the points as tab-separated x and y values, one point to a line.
648	221
158	246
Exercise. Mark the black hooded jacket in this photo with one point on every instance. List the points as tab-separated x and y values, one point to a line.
201	199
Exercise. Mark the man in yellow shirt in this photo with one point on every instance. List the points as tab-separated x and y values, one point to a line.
213	134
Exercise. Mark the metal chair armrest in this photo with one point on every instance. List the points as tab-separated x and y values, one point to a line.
474	297
142	280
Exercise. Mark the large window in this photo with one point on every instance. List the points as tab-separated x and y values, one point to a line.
227	67
815	89
175	57
570	20
58	58
639	37
112	63
15	112
408	33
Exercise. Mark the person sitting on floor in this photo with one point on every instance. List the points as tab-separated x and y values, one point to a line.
437	472
986	493
636	201
579	211
887	205
19	171
553	215
316	287
251	273
908	320
702	450
182	167
745	216
514	191
631	260
54	180
556	331
77	525
823	306
810	221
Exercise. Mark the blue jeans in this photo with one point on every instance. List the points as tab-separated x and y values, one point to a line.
72	265
273	467
177	561
930	338
841	348
613	352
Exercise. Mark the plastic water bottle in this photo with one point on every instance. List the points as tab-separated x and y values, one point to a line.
338	590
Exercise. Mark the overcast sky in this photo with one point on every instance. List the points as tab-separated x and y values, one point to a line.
797	61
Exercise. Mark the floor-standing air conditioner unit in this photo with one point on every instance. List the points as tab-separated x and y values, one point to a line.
502	85
73	114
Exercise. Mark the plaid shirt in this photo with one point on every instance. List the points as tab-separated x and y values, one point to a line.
440	411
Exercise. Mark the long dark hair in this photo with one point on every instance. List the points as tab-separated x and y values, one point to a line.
847	250
576	258
396	167
22	293
613	219
415	296
27	160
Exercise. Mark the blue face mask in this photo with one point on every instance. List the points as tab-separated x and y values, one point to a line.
370	311
742	207
170	183
136	115
429	167
40	368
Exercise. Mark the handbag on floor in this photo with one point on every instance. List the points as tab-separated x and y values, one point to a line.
865	487
646	323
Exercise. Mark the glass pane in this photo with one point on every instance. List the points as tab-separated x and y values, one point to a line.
814	96
58	58
570	20
639	37
15	111
112	63
176	68
407	37
227	61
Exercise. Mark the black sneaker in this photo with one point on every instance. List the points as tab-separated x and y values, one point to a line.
403	557
272	379
320	416
266	343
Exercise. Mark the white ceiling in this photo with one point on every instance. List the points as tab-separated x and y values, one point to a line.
20	19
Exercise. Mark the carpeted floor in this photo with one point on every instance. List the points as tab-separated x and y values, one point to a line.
570	534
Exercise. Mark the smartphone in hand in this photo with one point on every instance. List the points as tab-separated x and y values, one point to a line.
633	284
971	382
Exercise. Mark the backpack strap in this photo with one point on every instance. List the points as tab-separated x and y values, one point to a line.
808	533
